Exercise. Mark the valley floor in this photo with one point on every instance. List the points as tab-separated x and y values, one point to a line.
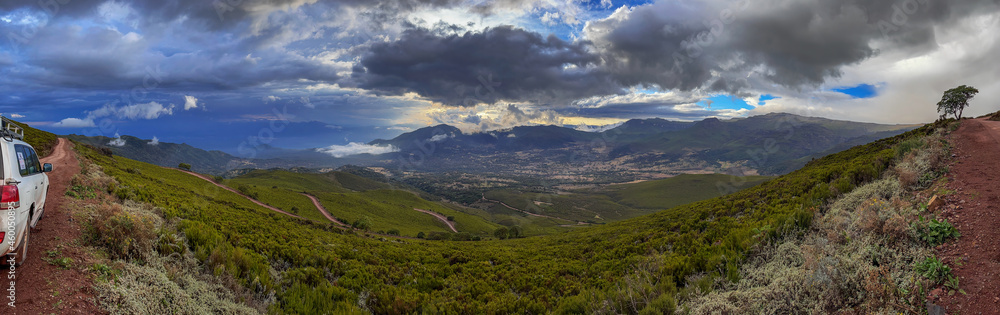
974	209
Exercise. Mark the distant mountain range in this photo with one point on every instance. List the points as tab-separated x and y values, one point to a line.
770	144
767	144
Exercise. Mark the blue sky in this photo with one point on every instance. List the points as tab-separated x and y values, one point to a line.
859	91
343	71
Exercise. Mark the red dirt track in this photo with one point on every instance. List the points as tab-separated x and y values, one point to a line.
43	288
974	209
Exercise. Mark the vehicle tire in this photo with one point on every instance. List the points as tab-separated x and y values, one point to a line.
21	253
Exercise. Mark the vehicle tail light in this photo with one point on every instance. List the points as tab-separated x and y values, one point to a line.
3	236
11	197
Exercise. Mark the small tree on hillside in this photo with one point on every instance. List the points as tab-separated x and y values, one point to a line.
184	166
501	233
954	101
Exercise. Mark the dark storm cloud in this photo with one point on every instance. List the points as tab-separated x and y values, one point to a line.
216	14
104	59
715	45
501	63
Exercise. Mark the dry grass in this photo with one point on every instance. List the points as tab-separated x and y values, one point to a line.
149	268
167	285
858	258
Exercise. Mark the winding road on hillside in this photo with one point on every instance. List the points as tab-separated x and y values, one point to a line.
451	225
974	209
206	178
322	210
44	288
319	206
578	223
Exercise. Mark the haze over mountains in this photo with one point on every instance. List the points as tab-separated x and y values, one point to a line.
636	149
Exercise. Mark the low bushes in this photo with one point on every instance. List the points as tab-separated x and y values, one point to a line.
868	252
148	268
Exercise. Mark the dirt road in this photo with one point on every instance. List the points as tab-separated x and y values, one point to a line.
239	193
322	209
451	225
974	209
532	214
43	288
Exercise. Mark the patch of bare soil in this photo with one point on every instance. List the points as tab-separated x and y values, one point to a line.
47	288
974	209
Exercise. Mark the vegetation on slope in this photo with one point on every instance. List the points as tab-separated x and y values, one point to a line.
143	264
869	252
639	264
163	153
681	189
356	200
994	116
42	141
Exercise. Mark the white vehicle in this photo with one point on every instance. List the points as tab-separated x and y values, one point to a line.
25	186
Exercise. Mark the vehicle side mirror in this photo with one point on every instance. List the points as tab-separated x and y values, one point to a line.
47	167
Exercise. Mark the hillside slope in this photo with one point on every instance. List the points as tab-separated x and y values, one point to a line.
163	153
584	270
43	141
355	200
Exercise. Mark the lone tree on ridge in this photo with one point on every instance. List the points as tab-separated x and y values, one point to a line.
955	100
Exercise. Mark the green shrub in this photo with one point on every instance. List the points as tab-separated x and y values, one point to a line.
125	232
694	245
909	145
935	270
934	232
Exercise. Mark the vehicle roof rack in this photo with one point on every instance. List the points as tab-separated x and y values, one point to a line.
10	129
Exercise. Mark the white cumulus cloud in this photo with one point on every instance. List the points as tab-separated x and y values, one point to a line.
442	137
271	99
354	148
151	110
190	102
117	141
155	141
74	123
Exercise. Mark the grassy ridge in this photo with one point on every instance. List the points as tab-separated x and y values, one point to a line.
591	269
352	198
281	198
42	141
290	180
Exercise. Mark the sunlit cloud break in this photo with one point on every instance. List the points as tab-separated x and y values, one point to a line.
355	148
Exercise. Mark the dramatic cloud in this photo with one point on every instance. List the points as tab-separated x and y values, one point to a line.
714	45
354	148
486	117
502	63
366	66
